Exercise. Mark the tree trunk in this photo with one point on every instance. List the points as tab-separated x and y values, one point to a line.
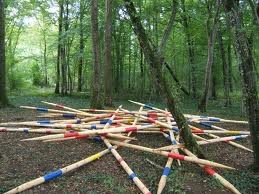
81	57
129	72
247	72
96	84
230	64
225	70
190	44
108	89
45	60
155	62
3	96
60	31
211	39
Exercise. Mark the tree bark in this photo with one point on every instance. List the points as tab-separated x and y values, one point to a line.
108	89
184	90
45	60
247	71
3	95
155	62
60	31
81	57
225	70
211	39
96	84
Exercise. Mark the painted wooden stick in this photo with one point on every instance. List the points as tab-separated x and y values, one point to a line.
153	121
65	108
53	110
172	155
149	107
200	131
124	165
229	142
209	141
214	174
167	168
92	132
55	174
30	130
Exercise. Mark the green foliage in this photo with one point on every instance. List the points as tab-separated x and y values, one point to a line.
176	180
110	183
36	75
244	181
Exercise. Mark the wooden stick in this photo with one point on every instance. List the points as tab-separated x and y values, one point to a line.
208	141
166	171
124	165
30	130
214	174
229	142
153	120
172	155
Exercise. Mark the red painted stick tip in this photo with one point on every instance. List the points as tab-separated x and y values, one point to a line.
151	120
103	134
197	131
176	156
59	106
162	129
128	129
3	129
209	170
71	134
68	126
152	115
120	160
82	136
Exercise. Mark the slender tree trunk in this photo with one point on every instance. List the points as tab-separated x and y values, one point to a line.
96	84
211	39
60	31
108	89
247	72
229	53
225	70
81	57
3	96
129	73
155	62
184	90
45	60
190	44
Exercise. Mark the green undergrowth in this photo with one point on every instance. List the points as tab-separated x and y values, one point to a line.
33	97
244	181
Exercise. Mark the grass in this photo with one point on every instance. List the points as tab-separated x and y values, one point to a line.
33	97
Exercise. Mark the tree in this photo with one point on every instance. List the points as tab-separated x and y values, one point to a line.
96	84
225	70
3	96
190	46
108	54
81	56
211	39
247	71
155	59
60	31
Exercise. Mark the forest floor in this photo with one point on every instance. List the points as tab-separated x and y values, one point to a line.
23	161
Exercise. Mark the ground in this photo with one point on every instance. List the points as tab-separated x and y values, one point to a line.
24	161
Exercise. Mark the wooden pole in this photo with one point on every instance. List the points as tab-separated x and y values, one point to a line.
172	155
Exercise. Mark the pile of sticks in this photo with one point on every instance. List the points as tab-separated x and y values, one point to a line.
115	127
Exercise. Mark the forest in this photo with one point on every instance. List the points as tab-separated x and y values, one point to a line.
195	57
